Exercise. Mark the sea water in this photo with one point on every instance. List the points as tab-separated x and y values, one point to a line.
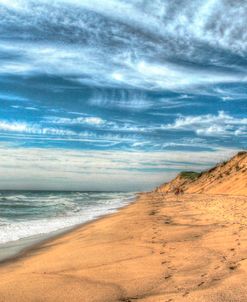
25	215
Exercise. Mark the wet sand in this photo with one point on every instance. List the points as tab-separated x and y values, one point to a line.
161	248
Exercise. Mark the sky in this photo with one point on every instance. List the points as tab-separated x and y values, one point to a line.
117	94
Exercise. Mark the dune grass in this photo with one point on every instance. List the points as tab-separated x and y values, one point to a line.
190	175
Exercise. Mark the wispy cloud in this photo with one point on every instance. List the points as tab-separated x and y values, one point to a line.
11	97
94	121
34	132
211	125
134	48
29	128
89	120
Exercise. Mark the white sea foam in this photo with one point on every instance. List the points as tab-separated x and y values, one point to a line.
71	213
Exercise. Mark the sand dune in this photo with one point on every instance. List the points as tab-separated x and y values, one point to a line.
163	247
229	177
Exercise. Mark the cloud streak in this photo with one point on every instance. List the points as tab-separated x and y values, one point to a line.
80	170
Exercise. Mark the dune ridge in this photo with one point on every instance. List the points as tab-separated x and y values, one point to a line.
229	177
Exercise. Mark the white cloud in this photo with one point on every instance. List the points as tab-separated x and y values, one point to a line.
211	125
29	128
90	120
31	108
13	4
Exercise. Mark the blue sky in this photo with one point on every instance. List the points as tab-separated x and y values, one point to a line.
119	94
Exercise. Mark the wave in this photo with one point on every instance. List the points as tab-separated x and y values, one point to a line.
33	214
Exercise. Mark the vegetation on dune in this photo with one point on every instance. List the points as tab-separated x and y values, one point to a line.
190	175
227	177
242	152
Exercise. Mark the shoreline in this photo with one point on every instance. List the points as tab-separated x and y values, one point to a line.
46	238
158	248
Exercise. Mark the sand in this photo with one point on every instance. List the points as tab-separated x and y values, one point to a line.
161	248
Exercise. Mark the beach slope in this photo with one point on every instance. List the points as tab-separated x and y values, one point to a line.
163	247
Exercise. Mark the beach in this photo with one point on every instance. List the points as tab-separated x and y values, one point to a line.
160	248
123	147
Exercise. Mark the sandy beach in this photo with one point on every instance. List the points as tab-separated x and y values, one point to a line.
160	248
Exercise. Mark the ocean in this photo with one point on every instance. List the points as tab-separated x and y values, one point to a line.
32	213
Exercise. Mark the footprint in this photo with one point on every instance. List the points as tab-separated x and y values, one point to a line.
168	277
216	279
232	267
172	268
